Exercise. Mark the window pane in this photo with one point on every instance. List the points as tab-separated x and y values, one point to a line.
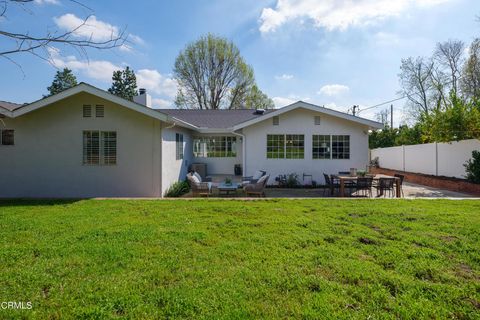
295	146
109	140
7	137
275	146
179	146
340	147
91	147
214	146
321	147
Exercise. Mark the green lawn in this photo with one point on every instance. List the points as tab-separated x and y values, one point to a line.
311	259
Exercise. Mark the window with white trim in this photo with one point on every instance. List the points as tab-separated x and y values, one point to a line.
321	147
340	147
99	147
275	146
294	146
215	147
285	146
178	146
7	137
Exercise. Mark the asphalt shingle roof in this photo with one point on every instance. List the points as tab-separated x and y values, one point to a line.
220	119
10	106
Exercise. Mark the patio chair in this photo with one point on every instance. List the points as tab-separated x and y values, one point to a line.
257	188
197	186
401	177
364	185
385	185
253	179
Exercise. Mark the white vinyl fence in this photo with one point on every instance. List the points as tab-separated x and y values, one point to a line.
440	159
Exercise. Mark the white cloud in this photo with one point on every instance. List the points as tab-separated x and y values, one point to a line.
94	29
284	77
161	103
282	101
46	2
101	70
333	90
337	14
154	81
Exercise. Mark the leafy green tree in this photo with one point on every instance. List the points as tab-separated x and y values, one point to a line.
124	84
472	167
211	74
256	99
62	81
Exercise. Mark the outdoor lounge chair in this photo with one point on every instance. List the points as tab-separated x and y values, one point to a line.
253	179
197	186
257	188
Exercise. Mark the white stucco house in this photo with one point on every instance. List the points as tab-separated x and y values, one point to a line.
86	142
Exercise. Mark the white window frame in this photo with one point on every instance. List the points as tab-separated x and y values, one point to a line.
289	140
214	147
103	158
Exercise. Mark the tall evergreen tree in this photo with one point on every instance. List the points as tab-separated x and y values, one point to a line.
124	84
63	80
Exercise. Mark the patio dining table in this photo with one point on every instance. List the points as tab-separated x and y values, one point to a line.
343	179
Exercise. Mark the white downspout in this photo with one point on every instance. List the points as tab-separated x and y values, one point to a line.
244	154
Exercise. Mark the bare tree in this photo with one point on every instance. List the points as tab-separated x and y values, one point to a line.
15	42
449	56
416	82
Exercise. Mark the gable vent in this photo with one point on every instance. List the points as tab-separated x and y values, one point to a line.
276	121
317	120
99	111
87	111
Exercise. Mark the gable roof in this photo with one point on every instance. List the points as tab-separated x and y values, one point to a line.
199	120
300	104
84	87
218	119
9	106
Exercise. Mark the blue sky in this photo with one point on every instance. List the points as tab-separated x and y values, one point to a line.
329	52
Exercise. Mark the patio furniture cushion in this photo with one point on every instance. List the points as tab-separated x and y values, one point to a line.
196	175
258	174
262	179
195	179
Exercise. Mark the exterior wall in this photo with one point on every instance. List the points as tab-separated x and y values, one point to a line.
442	159
301	121
221	165
175	170
46	160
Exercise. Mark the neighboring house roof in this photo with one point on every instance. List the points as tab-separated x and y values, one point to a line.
309	106
10	106
218	119
84	87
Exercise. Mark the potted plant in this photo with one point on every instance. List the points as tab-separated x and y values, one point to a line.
228	181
